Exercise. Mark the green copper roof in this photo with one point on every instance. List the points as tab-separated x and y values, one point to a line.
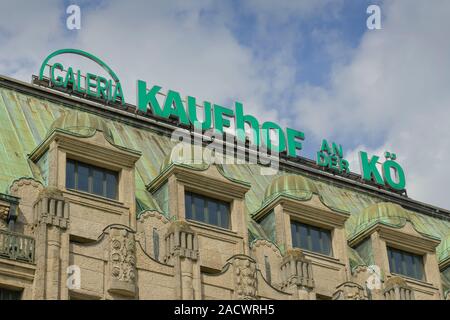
443	250
185	155
291	185
445	278
392	215
26	120
82	123
355	259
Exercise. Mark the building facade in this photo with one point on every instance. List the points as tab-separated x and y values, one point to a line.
96	205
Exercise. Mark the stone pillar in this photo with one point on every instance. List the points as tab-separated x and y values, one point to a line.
296	275
182	253
431	269
282	228
51	213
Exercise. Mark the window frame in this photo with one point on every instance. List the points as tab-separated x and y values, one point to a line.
296	239
391	249
90	179
17	293
191	214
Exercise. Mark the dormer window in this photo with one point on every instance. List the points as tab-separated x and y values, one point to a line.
311	238
92	179
406	263
207	210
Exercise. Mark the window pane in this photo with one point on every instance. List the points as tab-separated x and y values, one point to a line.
311	238
88	178
70	175
111	185
391	260
224	215
83	177
315	239
419	268
207	210
6	294
405	263
199	208
295	236
410	266
304	238
326	240
213	213
398	262
188	205
97	181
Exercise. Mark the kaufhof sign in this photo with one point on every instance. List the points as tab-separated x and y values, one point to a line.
217	117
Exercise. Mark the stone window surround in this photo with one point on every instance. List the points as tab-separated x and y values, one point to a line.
181	179
382	236
209	182
287	209
62	146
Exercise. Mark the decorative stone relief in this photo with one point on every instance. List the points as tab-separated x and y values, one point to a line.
16	186
349	291
396	288
152	214
4	209
122	260
152	226
296	269
262	242
245	278
51	208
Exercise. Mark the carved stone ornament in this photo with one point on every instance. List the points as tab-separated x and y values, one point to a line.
181	241
349	291
396	288
52	208
245	278
296	269
122	262
4	210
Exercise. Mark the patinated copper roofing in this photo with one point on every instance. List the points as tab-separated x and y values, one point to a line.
389	214
27	119
82	123
292	185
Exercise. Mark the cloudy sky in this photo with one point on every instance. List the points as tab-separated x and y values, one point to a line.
312	65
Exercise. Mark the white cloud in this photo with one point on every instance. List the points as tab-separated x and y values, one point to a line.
394	94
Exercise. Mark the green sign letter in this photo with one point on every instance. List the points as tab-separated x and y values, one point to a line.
369	169
293	144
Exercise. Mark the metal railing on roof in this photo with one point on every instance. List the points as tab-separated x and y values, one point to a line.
16	246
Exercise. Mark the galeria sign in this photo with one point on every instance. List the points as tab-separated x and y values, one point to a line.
217	117
90	84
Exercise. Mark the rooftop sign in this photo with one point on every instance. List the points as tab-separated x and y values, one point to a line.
268	135
90	84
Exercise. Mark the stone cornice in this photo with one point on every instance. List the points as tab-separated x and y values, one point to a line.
402	240
194	179
121	157
306	212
